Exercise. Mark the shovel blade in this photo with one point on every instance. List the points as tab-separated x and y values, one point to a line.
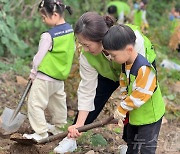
11	126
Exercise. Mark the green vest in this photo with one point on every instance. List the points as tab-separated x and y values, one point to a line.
103	66
57	62
110	69
152	110
137	18
174	24
121	6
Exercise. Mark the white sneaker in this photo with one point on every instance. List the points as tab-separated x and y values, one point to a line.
36	136
66	145
53	129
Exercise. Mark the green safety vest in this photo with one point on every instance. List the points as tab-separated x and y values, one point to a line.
121	6
174	24
57	62
152	110
137	18
110	69
103	66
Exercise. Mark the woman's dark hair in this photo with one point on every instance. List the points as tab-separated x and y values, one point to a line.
48	7
93	26
118	37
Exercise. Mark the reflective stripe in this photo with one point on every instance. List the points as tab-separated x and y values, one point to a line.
142	90
136	101
125	107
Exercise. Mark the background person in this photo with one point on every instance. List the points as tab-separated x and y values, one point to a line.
118	10
174	17
139	15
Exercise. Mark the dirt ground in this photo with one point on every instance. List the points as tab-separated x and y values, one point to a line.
11	88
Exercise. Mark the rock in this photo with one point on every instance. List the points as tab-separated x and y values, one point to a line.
164	120
176	87
21	81
90	152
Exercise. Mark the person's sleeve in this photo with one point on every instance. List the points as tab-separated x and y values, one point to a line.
139	44
142	90
144	17
121	18
123	85
45	44
87	86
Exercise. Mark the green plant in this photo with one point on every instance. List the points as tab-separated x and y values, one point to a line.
10	42
18	65
98	140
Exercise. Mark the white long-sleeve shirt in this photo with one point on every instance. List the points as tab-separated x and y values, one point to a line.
89	78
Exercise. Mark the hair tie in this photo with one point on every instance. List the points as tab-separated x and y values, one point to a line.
42	3
54	9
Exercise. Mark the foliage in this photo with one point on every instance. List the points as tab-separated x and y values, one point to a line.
10	41
18	65
98	140
117	130
93	139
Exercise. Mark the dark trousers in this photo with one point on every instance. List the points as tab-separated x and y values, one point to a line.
104	90
142	139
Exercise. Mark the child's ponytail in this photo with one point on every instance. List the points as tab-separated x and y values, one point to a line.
68	8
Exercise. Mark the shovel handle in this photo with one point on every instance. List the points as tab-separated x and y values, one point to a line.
21	102
101	123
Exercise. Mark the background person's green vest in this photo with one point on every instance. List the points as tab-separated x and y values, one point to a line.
152	110
137	18
149	48
174	24
57	62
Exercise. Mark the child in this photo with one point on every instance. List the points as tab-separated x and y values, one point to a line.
51	66
138	82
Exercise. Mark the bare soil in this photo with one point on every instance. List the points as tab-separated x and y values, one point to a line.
10	91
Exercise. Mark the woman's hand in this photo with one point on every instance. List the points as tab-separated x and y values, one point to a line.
73	132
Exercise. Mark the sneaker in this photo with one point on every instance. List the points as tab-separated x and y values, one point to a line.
66	145
53	129
36	136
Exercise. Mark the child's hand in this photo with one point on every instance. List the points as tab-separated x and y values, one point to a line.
119	116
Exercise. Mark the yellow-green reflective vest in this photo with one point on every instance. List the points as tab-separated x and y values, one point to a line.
57	62
152	110
121	6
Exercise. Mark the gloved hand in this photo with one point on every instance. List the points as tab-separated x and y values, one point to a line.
146	26
119	116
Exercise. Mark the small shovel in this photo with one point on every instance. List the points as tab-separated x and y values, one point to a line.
13	119
20	139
